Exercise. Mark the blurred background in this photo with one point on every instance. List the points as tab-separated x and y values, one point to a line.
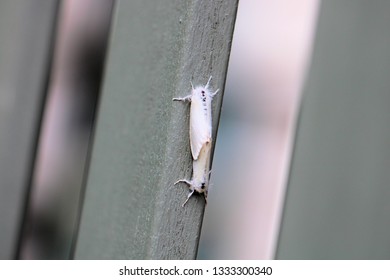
270	54
77	67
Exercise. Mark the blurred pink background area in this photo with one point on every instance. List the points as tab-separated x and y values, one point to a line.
79	53
270	54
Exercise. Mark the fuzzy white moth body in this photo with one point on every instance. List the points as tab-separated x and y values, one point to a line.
200	138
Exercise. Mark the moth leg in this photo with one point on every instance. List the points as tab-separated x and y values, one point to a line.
188	197
184	181
205	196
184	99
214	93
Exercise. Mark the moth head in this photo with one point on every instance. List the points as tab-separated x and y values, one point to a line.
201	188
201	92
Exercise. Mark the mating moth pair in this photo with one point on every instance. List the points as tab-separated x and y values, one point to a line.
200	138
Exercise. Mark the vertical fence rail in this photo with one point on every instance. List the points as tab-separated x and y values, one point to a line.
26	36
337	201
131	208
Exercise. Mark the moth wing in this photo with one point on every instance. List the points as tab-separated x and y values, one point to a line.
200	128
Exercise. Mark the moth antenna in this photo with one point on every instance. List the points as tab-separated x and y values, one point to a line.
188	197
208	82
192	85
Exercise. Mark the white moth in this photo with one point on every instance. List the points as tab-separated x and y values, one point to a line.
200	138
